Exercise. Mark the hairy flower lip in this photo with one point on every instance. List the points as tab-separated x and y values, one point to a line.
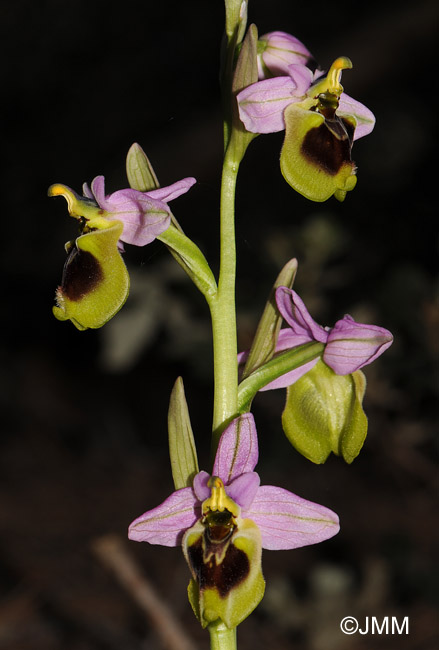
95	282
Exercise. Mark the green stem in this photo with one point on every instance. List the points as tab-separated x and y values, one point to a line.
222	308
222	303
221	637
236	21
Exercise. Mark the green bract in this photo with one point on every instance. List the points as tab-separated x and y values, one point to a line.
140	173
264	342
182	449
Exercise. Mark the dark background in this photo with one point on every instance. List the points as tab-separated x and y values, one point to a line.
83	445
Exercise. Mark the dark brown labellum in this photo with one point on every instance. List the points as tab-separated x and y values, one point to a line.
223	576
329	145
82	273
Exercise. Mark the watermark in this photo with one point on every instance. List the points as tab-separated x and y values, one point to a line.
375	625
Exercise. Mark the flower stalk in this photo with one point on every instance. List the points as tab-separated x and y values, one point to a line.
223	311
276	367
236	140
221	637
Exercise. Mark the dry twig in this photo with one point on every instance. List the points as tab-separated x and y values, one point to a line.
110	550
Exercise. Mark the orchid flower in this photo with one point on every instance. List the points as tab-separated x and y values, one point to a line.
223	522
323	411
144	215
320	122
95	281
349	345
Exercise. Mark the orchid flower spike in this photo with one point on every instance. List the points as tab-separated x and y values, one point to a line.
224	520
320	121
95	281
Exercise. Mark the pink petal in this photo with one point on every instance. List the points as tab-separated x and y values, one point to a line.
286	341
243	489
237	451
86	191
242	357
364	117
98	190
167	523
200	487
281	51
262	105
302	77
171	192
294	312
352	345
143	217
289	378
287	521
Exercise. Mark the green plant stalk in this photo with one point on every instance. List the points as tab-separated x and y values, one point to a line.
223	310
222	304
221	637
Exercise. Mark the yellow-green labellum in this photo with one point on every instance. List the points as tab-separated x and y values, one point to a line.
316	154
224	556
95	280
323	414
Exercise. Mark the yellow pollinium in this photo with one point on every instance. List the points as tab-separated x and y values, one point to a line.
218	500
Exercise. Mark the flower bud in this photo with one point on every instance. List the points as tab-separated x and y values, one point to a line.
277	51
